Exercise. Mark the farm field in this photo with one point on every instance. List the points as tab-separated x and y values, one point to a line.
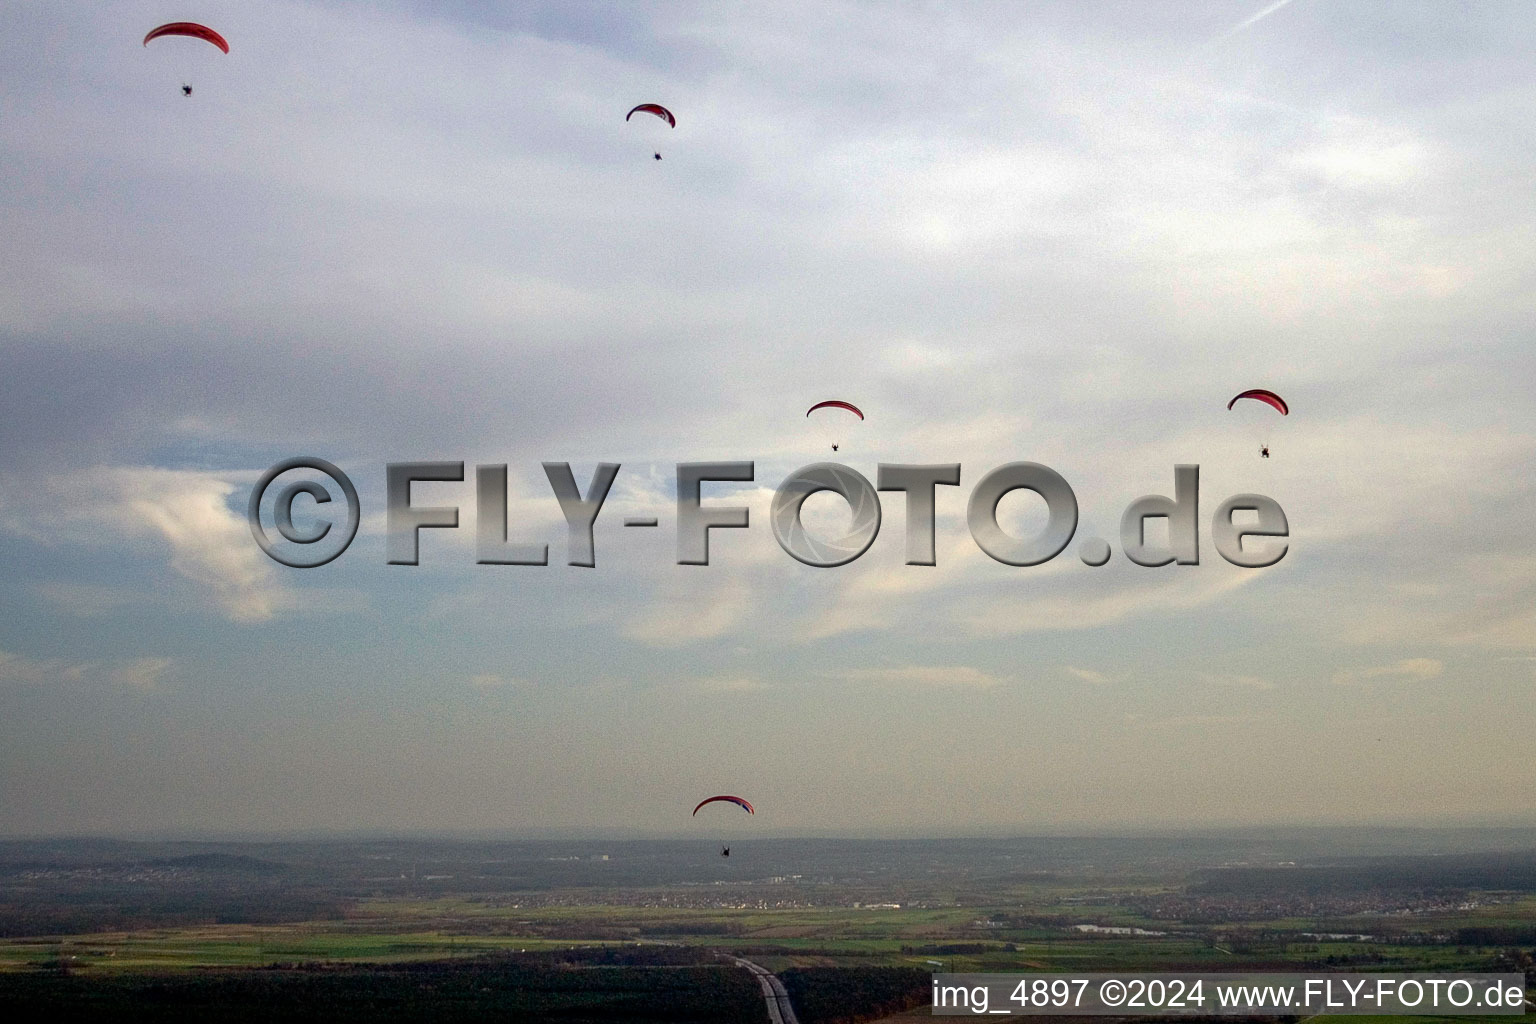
857	934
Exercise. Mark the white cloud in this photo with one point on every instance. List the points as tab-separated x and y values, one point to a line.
924	675
1066	237
677	615
1099	602
728	684
1406	670
140	675
1255	18
31	672
1357	155
185	513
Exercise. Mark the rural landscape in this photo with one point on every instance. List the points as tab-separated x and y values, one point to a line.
648	930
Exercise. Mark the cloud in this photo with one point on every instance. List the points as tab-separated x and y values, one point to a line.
1354	154
1406	670
17	670
1255	18
140	675
185	513
728	684
676	616
1236	680
923	675
1098	603
332	252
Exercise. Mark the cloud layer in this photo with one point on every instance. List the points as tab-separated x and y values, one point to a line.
1058	234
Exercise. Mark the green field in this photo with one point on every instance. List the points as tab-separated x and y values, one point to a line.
857	928
983	938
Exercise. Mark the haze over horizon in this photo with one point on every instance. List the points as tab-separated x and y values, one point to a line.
1063	233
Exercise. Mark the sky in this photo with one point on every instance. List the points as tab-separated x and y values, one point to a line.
1064	233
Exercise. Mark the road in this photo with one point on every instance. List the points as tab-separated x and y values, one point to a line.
779	1010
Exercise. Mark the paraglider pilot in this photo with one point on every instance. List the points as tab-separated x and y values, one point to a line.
1264	451
725	851
186	90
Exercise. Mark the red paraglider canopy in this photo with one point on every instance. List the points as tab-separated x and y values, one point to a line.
1269	398
836	405
653	108
188	28
738	801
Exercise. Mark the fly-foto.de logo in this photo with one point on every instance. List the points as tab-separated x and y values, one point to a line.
1249	530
